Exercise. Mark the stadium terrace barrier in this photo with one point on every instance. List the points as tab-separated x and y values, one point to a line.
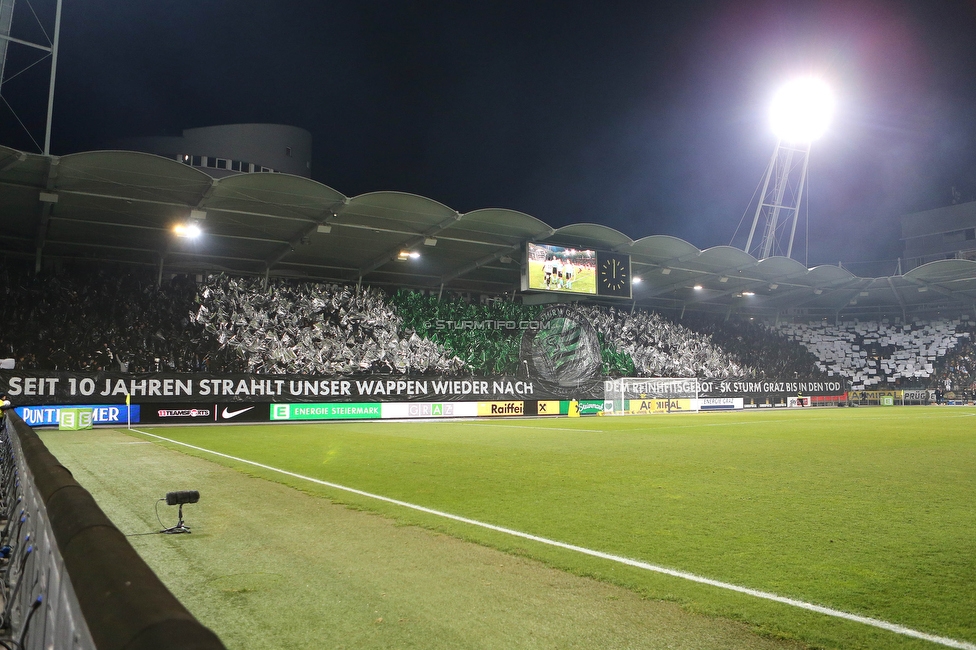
73	579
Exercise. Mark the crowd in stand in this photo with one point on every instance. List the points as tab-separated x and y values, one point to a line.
772	354
884	355
309	328
956	374
98	318
662	348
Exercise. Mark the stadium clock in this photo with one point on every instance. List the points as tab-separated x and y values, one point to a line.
613	275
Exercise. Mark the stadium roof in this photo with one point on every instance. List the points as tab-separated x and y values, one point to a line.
119	206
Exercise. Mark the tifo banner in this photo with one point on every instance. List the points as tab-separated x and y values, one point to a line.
38	387
760	388
563	355
651	387
186	390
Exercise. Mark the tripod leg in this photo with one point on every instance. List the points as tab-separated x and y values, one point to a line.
180	527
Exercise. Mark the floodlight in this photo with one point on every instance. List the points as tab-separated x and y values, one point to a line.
802	109
697	287
189	230
636	280
800	113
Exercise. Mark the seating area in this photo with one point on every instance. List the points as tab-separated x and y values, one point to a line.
309	328
111	319
660	347
98	318
881	354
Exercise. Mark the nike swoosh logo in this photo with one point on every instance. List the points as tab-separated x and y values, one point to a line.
233	414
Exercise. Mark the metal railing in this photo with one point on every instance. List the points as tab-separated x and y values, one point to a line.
70	578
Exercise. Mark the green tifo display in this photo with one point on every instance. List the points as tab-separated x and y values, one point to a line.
492	348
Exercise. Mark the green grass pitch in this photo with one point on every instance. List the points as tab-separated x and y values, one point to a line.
585	281
869	511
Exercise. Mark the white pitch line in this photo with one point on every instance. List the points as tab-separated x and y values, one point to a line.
836	613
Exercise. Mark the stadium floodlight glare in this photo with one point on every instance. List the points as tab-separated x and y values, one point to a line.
800	113
636	280
802	110
189	230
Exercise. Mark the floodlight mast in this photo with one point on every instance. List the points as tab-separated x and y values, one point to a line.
801	111
779	206
6	22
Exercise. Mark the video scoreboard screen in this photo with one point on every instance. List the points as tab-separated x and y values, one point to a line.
562	269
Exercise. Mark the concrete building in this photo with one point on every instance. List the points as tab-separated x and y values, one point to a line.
234	149
942	234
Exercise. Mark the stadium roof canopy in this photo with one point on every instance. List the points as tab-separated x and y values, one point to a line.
118	206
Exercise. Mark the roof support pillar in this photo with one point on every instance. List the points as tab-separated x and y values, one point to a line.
45	219
48	198
904	310
54	69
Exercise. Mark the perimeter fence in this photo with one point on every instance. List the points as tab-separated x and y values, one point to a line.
69	578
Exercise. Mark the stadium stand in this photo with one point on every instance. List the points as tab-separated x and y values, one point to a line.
879	354
956	374
662	348
313	328
97	318
93	318
756	345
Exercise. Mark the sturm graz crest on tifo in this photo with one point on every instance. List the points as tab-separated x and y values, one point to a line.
564	351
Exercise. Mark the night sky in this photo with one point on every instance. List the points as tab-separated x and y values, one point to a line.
647	117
